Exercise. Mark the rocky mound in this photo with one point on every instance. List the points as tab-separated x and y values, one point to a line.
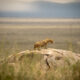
49	57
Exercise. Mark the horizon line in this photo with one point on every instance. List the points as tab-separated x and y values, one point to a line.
39	19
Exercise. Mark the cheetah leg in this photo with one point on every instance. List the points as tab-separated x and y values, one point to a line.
38	48
45	46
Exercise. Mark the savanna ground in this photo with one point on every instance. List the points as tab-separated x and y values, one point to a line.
15	37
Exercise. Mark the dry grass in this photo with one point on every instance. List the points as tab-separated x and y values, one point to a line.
29	68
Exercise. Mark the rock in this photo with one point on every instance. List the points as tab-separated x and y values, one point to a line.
51	58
